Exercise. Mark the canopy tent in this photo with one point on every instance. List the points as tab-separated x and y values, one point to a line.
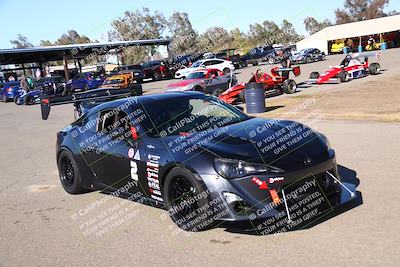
66	52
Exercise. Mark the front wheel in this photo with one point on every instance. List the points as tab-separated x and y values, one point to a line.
187	200
314	75
343	76
69	173
217	92
374	69
289	87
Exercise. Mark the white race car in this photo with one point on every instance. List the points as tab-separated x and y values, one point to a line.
214	63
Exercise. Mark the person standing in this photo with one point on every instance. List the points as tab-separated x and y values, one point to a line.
24	84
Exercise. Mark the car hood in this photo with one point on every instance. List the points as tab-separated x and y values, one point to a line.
186	70
183	83
283	144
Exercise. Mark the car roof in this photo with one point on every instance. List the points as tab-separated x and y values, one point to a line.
206	70
144	100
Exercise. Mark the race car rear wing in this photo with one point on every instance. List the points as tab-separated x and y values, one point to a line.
97	95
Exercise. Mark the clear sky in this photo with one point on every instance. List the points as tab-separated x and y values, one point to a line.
48	19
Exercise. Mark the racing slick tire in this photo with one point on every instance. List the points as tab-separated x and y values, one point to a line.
374	69
289	86
156	76
314	75
242	96
69	173
308	60
85	87
226	70
187	200
343	76
217	92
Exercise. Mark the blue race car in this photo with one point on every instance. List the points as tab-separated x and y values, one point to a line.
85	81
9	90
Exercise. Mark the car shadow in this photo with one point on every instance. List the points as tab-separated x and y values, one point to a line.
348	176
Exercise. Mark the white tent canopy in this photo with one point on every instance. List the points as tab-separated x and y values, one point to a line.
350	30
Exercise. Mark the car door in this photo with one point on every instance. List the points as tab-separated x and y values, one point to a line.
114	154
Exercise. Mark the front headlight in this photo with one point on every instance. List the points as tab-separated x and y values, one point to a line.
232	168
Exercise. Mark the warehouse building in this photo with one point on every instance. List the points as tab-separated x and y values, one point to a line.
374	34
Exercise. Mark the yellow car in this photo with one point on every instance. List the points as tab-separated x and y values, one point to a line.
119	80
337	47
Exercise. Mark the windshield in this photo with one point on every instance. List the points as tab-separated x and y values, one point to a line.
197	64
113	81
185	115
304	51
197	75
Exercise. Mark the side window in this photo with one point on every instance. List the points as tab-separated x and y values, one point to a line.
114	123
208	63
215	73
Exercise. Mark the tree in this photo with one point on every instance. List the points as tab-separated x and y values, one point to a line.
214	39
138	25
20	42
312	25
264	34
240	40
290	35
183	35
358	10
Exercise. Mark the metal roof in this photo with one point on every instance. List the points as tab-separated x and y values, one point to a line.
75	51
356	29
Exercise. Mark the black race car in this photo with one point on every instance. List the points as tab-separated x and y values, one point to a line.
201	159
308	55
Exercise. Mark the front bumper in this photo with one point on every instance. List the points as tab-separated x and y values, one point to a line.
258	204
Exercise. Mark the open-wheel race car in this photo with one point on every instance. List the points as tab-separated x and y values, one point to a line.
353	66
278	81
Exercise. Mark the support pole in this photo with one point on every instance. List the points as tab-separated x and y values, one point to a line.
80	66
66	68
23	69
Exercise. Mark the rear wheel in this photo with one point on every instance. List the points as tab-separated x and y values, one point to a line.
242	96
29	100
227	70
314	75
186	200
69	173
85	87
4	99
374	69
156	76
289	86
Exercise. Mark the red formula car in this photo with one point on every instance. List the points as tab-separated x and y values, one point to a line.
352	66
278	81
